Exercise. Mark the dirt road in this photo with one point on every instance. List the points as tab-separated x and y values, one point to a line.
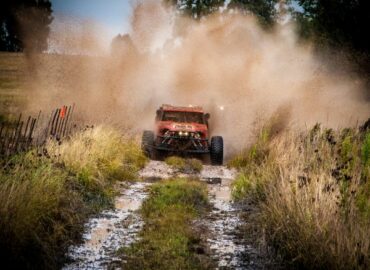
119	227
109	231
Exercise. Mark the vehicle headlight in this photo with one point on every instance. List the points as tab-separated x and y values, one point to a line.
183	133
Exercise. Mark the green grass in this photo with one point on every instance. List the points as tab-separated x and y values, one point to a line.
39	213
312	190
45	201
182	165
363	193
167	240
365	151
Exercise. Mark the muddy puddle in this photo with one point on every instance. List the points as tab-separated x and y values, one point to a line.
109	231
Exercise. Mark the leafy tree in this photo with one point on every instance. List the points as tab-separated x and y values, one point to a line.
196	8
339	22
24	24
263	9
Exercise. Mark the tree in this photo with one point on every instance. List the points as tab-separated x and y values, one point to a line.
342	24
264	10
337	22
196	8
24	25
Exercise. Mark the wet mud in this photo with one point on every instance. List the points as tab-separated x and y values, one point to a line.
109	231
225	238
221	228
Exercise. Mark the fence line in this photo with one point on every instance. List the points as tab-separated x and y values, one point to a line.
23	134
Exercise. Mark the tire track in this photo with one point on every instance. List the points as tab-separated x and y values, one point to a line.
109	231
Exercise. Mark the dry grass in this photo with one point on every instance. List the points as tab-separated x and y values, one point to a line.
45	201
182	165
101	151
313	191
37	213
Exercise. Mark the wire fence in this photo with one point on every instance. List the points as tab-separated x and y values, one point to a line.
25	133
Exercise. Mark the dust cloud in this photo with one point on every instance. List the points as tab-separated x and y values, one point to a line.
226	63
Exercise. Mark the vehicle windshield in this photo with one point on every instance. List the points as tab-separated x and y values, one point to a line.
184	117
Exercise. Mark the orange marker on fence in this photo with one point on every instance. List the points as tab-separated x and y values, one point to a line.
63	112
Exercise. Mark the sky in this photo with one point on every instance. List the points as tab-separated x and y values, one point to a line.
113	15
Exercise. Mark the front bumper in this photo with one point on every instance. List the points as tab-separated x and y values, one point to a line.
179	144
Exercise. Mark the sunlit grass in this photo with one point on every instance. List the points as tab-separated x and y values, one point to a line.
45	201
312	189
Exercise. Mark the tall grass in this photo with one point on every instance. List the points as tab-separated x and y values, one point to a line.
98	157
167	240
313	192
44	201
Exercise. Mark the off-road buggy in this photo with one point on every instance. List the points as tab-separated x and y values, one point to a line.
182	131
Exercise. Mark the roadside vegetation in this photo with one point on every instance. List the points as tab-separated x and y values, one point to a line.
312	190
167	240
182	165
45	200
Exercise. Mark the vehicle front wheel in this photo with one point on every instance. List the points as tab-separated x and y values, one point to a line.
217	150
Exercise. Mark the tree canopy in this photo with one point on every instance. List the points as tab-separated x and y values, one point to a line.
264	10
24	24
338	22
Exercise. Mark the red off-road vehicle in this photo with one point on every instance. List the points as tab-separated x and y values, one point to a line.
182	131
